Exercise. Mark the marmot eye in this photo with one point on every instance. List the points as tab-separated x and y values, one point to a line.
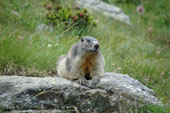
88	40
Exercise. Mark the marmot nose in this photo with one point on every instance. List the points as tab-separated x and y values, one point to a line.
96	46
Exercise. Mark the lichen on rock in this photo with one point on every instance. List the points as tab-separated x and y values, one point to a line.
114	93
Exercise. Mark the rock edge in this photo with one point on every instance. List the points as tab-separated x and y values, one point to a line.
114	93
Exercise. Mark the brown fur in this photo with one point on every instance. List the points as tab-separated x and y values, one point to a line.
88	64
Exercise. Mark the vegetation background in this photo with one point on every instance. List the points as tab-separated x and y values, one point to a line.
141	50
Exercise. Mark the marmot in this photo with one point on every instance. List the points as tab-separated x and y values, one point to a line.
84	61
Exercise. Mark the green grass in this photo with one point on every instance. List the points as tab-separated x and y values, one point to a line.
148	109
132	50
30	56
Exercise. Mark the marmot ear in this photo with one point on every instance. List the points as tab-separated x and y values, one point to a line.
82	39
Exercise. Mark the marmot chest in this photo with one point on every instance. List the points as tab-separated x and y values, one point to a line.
88	65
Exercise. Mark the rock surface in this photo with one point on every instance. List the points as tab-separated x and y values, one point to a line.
106	9
114	93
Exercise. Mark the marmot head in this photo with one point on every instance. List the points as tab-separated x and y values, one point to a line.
89	44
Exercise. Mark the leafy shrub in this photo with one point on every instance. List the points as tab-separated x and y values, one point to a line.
69	17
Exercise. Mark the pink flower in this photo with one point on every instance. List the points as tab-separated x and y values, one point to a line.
81	14
113	64
140	9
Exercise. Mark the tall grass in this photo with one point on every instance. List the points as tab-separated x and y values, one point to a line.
32	54
132	50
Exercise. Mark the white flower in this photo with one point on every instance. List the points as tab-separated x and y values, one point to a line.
49	45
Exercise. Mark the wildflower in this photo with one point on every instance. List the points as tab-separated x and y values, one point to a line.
140	9
49	45
75	18
81	14
48	7
113	64
20	37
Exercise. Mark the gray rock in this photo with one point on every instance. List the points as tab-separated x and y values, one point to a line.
114	93
106	9
35	111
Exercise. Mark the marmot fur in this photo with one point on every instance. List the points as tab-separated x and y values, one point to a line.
84	61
